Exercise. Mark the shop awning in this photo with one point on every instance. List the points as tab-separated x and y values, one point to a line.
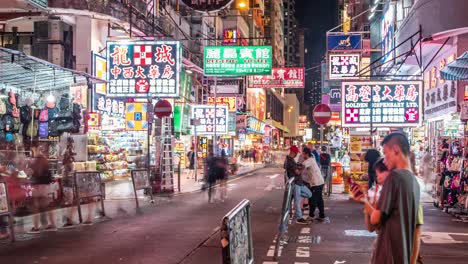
26	73
278	125
457	70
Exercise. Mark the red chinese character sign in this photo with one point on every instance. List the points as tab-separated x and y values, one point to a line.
279	78
207	5
344	66
136	69
208	117
385	104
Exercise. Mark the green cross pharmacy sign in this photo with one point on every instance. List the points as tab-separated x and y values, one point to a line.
237	60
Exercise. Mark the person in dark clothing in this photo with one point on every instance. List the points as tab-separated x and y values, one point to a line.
210	173
191	158
222	165
372	155
41	178
325	162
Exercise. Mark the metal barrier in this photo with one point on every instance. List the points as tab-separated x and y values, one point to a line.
326	173
236	235
88	184
141	181
285	213
5	209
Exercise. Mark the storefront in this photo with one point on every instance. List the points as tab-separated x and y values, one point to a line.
42	107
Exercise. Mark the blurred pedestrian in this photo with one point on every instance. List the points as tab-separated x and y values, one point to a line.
372	155
210	174
346	163
222	167
41	179
191	168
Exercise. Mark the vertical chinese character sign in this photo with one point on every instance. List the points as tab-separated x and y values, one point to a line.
344	66
384	104
137	69
209	118
237	60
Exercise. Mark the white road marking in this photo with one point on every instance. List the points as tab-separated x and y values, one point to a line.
301	262
273	176
304	239
442	238
271	251
339	261
305	230
302	252
360	233
270	262
270	187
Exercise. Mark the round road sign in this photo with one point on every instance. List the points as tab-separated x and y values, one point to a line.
322	114
163	108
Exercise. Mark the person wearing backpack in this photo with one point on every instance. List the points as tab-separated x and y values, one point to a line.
315	181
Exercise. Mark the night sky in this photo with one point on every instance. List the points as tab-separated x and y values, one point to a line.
318	16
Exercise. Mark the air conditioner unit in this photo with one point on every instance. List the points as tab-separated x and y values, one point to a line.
57	54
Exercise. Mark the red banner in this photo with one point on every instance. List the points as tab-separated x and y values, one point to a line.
279	78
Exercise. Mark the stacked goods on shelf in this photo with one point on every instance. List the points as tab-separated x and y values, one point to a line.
116	153
358	166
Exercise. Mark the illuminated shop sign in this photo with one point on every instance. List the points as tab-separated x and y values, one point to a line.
208	118
237	60
139	69
344	66
387	104
229	101
344	41
207	5
255	126
279	78
135	116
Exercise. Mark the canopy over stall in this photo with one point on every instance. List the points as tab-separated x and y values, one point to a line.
21	72
456	70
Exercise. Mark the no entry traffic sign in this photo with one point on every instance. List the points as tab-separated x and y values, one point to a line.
322	114
163	108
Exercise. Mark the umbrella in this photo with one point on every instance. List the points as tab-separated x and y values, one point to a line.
457	70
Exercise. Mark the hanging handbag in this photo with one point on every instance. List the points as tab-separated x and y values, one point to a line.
44	115
76	111
43	129
2	136
76	126
37	113
16	125
65	115
65	126
12	98
3	109
9	137
53	128
32	129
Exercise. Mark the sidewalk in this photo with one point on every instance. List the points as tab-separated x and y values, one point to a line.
120	201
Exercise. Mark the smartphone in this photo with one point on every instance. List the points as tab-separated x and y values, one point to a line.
352	184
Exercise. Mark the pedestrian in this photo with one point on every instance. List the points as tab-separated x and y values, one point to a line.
315	182
210	174
191	168
222	165
293	170
315	152
254	155
396	212
427	167
346	163
372	155
41	179
325	162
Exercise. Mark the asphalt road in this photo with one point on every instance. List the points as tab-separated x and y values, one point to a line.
183	229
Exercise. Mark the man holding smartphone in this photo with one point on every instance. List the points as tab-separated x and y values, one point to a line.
397	208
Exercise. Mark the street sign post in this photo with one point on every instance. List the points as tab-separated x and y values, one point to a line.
321	115
163	108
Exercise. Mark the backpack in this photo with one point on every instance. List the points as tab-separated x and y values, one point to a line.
43	129
44	115
9	137
53	113
9	123
25	114
76	111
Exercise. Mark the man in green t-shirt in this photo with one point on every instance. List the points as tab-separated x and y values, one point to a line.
397	209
